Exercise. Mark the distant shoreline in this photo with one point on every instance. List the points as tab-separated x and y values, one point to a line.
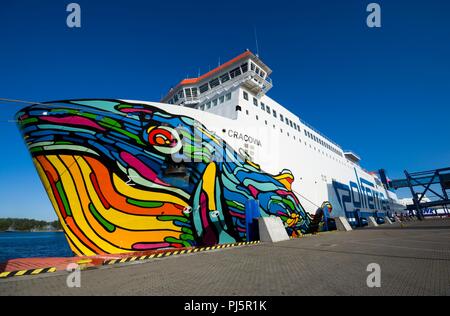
28	225
31	231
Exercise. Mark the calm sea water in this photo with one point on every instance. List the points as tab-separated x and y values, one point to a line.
25	245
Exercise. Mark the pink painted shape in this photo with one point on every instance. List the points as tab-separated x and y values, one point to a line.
72	120
142	168
237	214
209	238
253	191
144	246
136	110
286	193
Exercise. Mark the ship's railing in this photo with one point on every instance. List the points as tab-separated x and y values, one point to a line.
321	134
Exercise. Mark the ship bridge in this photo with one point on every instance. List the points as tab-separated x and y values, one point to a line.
245	70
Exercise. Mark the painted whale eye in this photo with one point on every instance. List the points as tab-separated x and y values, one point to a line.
215	214
164	139
187	210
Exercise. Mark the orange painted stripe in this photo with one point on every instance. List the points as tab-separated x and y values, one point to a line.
98	191
46	165
119	202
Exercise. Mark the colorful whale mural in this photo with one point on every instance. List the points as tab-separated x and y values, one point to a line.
126	177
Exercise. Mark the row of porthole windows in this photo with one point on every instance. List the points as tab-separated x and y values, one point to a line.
266	108
299	139
208	105
274	126
322	142
307	133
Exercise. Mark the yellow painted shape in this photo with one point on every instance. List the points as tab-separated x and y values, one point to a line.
284	180
214	139
209	185
251	163
127	190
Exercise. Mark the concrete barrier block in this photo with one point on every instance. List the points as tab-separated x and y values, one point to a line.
372	222
342	224
271	229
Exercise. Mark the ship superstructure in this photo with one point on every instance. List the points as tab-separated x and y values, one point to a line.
237	90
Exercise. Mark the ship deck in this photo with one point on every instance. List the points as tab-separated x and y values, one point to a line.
414	260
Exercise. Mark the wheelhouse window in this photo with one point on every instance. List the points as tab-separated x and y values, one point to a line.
235	72
244	67
228	96
224	78
204	88
214	83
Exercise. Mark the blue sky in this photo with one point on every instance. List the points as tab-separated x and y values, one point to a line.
383	93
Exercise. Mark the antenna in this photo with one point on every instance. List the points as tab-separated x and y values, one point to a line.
256	42
219	62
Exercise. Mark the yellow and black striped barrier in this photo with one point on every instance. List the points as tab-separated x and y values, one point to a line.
177	253
315	234
10	274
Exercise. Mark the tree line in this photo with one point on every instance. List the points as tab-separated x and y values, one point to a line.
26	224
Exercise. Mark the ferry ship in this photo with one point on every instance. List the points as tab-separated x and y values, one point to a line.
126	176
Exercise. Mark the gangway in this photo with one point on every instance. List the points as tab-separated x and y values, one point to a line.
433	181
